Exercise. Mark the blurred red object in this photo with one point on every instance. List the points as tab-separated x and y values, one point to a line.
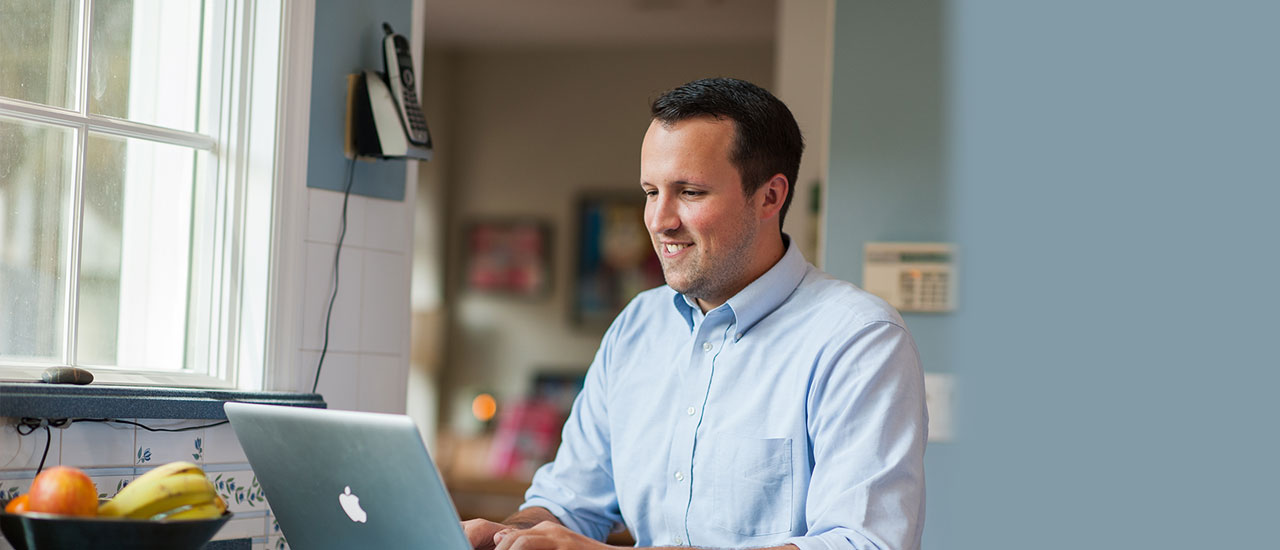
527	437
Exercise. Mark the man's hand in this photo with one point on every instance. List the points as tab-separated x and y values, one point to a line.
547	535
480	533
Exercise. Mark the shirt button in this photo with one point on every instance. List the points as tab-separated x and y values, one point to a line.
737	337
706	346
679	476
691	411
679	540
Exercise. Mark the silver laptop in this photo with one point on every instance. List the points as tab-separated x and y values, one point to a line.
344	479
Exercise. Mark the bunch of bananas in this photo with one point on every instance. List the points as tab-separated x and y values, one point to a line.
174	491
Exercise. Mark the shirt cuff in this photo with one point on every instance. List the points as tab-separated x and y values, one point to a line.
831	540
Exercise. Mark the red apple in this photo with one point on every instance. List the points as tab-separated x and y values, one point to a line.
63	490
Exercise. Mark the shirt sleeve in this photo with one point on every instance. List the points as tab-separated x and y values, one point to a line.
868	425
577	487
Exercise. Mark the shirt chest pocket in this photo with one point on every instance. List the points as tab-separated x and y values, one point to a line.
752	485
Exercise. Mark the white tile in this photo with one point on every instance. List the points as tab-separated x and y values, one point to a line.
222	447
241	491
324	216
387	225
23	452
98	444
384	317
344	327
273	526
339	378
157	448
10	488
242	528
108	486
383	383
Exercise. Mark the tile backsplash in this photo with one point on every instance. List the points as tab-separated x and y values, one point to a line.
115	454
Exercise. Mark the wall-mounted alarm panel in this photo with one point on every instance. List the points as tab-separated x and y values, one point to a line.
916	277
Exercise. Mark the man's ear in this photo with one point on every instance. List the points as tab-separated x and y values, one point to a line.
771	196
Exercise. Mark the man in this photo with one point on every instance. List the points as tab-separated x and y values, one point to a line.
754	401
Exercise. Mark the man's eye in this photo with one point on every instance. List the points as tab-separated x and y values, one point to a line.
650	192
691	193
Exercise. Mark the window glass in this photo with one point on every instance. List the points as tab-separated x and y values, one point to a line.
35	183
38	50
135	253
144	61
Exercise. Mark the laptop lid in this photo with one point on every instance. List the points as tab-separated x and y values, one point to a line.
346	479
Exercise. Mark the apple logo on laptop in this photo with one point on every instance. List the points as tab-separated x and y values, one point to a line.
351	505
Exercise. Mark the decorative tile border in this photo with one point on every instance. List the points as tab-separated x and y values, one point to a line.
240	489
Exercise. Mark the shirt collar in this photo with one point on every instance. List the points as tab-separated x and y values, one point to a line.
759	298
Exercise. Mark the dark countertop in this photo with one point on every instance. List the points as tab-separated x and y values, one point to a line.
40	400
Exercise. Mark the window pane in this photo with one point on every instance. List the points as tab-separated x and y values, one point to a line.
135	253
35	178
38	50
144	62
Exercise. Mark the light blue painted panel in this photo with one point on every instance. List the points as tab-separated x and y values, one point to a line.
348	39
1114	190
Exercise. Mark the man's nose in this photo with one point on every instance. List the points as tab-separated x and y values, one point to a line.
660	215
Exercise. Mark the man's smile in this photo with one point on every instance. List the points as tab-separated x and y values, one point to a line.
674	249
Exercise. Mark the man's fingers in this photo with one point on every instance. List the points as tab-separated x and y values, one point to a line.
480	533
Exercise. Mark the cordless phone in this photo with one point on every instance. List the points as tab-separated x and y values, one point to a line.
399	67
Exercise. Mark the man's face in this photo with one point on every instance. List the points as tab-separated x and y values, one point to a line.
702	224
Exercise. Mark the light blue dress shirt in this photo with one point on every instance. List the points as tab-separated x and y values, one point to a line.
794	413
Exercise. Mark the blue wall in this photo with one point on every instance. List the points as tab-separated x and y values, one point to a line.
886	172
348	39
1110	174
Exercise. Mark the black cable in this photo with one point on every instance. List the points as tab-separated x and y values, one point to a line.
149	428
342	233
48	438
33	424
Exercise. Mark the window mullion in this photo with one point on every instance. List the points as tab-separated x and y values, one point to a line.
130	129
82	80
76	208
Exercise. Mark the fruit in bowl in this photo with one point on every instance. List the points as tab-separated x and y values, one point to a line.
63	491
177	490
171	507
16	506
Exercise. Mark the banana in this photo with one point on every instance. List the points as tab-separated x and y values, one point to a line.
207	510
172	492
160	490
134	493
172	468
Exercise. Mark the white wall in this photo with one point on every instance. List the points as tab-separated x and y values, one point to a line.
367	361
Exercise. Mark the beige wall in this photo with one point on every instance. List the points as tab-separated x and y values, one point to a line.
530	131
803	81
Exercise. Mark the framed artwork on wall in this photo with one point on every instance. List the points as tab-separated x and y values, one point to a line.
510	257
615	260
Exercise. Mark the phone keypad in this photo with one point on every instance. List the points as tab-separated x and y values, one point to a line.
413	112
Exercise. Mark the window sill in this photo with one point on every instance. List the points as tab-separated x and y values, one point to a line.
40	400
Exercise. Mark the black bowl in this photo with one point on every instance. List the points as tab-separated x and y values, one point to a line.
43	531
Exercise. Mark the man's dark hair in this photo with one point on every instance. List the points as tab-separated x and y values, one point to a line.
767	140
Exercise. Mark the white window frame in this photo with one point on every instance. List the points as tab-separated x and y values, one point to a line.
261	151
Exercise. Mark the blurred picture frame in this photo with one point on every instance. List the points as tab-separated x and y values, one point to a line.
615	258
510	257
